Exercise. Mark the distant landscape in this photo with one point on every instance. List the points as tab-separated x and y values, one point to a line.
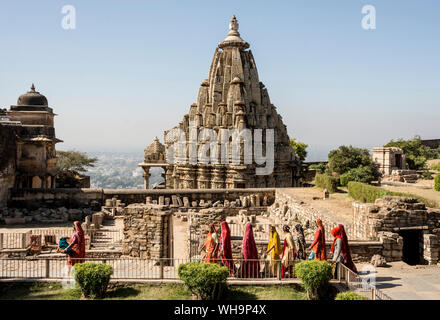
118	170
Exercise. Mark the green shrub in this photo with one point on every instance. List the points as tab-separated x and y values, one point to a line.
315	276
366	193
361	174
427	175
349	295
437	182
92	278
325	181
435	166
206	280
320	167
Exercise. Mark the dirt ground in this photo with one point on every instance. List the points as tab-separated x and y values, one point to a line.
338	203
429	194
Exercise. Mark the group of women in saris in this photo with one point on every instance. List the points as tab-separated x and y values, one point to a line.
296	250
219	250
340	248
289	253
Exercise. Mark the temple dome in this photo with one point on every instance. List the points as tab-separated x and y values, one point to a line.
32	98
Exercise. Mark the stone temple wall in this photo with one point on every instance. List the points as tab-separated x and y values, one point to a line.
388	216
8	147
146	231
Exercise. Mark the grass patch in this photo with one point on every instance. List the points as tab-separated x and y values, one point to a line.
54	291
285	292
368	193
37	291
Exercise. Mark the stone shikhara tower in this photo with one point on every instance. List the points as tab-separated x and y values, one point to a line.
231	98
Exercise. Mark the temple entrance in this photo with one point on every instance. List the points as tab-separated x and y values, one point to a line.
398	161
411	253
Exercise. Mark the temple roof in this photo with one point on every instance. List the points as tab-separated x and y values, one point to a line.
233	97
32	98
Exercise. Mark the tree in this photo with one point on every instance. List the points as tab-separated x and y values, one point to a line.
74	161
300	148
416	153
364	174
345	158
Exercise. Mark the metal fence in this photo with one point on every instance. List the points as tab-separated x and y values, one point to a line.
358	284
132	268
166	269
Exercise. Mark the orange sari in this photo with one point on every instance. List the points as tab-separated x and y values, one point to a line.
210	247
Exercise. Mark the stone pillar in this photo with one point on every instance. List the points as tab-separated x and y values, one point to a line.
164	175
147	177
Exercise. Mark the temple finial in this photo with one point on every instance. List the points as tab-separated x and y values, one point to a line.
233	39
233	25
33	88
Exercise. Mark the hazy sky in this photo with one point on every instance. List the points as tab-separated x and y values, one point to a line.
131	69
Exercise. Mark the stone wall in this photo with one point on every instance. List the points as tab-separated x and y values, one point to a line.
146	231
389	215
213	195
85	197
290	210
54	198
8	154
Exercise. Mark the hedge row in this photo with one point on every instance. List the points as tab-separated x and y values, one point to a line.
366	193
326	181
437	182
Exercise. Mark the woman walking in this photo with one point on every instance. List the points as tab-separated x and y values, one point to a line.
274	249
226	248
211	245
289	254
300	242
250	266
341	249
318	245
76	249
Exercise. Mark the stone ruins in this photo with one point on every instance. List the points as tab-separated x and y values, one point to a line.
28	141
170	222
392	165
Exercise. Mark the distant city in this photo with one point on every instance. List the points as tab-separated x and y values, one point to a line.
118	170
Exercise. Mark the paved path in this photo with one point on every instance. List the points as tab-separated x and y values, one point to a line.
403	282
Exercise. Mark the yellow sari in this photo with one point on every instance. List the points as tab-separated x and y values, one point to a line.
274	255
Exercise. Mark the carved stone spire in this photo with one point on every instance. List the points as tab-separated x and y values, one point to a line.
233	39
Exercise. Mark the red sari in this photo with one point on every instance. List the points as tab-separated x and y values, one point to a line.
339	232
79	245
318	245
226	248
250	266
